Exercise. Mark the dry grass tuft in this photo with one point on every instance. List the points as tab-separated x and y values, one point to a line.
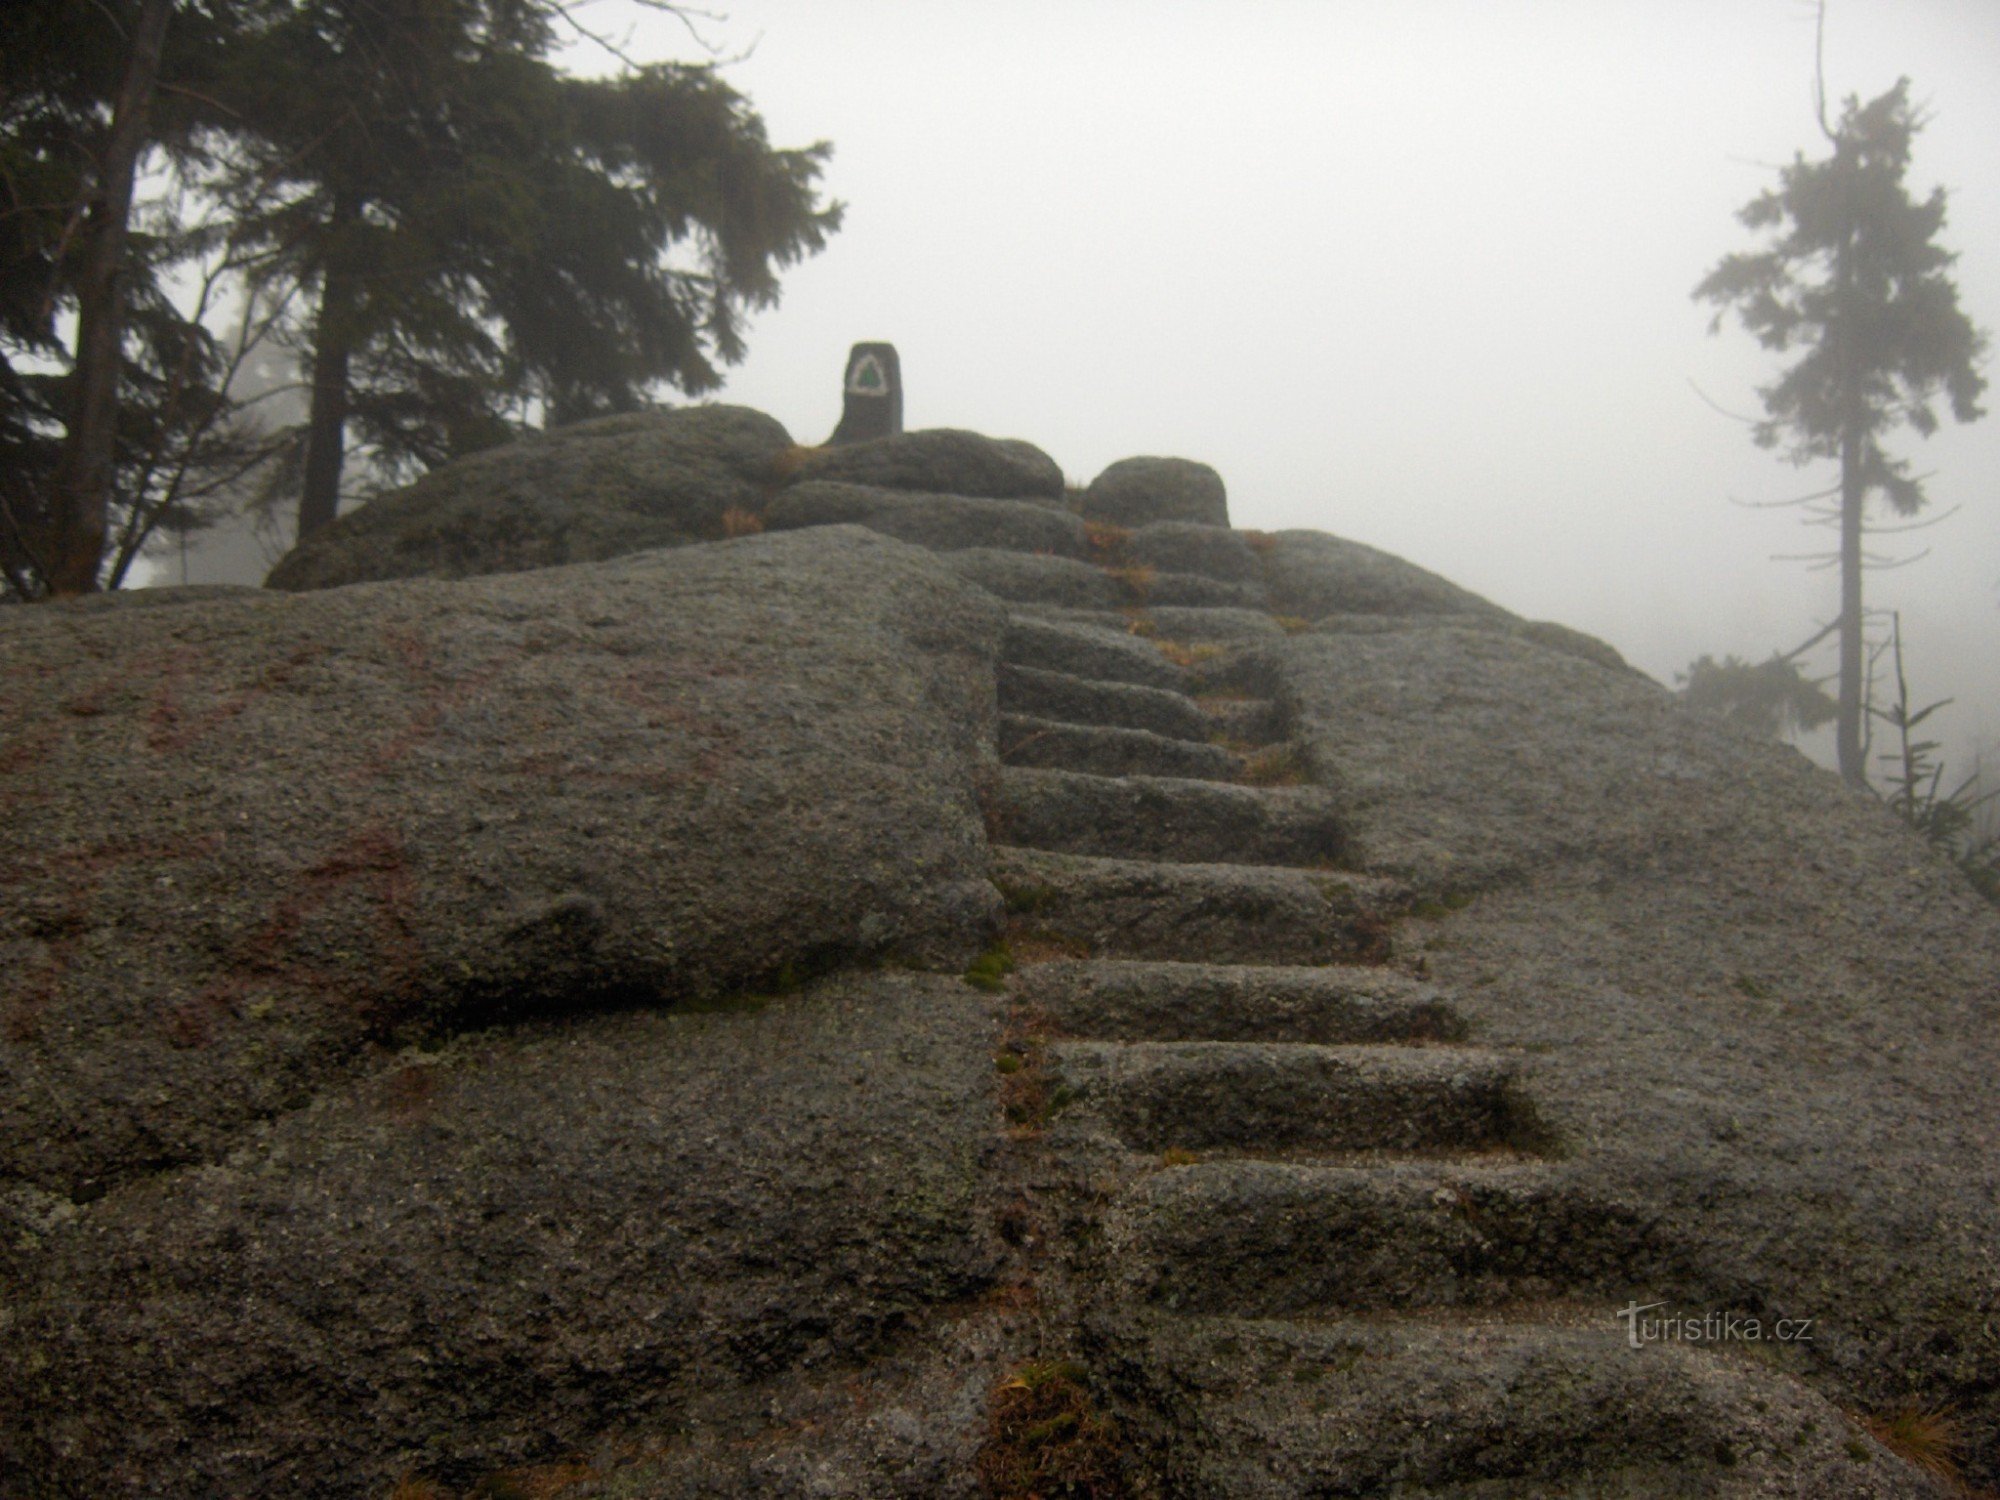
1045	1438
1186	656
1031	947
1925	1436
791	462
1260	542
1137	581
1276	765
1106	540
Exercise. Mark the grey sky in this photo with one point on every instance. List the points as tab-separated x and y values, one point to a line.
1413	273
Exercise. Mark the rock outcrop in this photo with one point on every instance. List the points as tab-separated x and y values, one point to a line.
508	1036
1137	491
593	490
938	460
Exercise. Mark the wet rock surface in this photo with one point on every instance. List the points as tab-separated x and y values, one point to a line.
1391	991
592	490
249	840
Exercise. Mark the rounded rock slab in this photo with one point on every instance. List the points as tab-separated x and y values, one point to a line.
940	460
1140	491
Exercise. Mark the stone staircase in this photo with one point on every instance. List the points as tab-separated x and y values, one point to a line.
1326	1239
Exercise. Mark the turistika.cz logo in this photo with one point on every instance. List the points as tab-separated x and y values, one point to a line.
1708	1328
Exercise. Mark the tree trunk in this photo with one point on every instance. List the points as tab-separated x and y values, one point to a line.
333	344
84	472
1853	768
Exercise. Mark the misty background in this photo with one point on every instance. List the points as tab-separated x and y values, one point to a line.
1415	274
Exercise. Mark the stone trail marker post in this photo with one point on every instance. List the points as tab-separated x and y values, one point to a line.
873	395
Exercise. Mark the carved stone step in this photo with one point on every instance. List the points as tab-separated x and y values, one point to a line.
1118	908
1162	622
1284	1096
1128	1000
1101	750
1083	700
1157	817
1528	1404
1253	721
1110	652
1188	547
1027	578
1287	1239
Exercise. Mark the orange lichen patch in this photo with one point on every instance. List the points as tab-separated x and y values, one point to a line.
1374	939
409	1487
1137	581
1925	1436
1276	765
1030	947
1186	656
542	1482
1045	1437
1106	540
789	463
736	521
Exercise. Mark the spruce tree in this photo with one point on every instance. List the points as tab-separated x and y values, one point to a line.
1851	276
483	238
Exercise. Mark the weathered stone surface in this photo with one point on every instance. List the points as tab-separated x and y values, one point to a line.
1184	1002
1139	491
1311	574
251	840
1087	700
1102	750
1022	578
940	460
1190	547
1759	1008
593	490
1359	1407
943	523
386	1097
501	1250
1090	651
1166	817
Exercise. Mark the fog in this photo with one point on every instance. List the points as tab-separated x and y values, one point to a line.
1416	274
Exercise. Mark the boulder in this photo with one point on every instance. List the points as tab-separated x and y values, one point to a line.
1311	574
1139	491
1190	547
939	460
592	490
252	842
943	523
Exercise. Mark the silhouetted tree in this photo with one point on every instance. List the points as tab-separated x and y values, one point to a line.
1772	698
454	236
480	235
1852	275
